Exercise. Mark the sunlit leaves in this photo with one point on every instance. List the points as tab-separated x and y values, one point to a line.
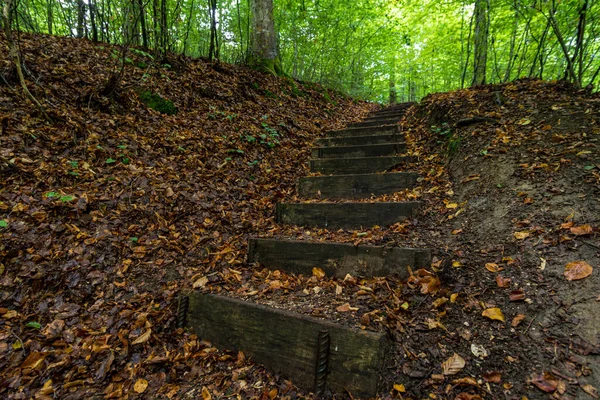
493	313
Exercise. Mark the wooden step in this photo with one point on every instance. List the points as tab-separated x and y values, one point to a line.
287	343
364	165
336	259
356	186
364	131
369	150
361	140
344	215
375	122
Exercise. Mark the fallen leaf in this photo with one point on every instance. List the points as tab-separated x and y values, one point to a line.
577	270
493	313
502	282
451	205
200	283
318	272
516	295
453	365
581	230
206	394
399	388
591	390
140	385
345	308
143	338
493	376
457	231
465	381
545	382
493	267
517	320
521	235
273	393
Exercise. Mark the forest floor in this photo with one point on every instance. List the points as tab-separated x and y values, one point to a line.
111	210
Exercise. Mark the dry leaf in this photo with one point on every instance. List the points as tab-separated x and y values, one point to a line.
577	270
206	394
581	230
451	205
502	282
346	307
468	380
493	313
493	267
521	235
140	386
516	295
494	377
453	365
143	337
517	320
200	283
589	389
318	272
545	382
399	388
273	393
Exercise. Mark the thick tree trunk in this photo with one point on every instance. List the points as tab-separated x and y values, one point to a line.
263	53
93	21
143	24
213	50
482	24
80	18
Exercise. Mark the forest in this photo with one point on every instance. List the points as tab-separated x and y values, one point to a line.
380	50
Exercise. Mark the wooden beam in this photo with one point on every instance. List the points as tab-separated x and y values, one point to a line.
365	150
336	259
358	140
363	131
344	215
286	342
362	165
355	186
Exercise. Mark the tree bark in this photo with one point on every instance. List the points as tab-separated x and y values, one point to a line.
263	53
49	16
213	50
80	18
482	24
143	24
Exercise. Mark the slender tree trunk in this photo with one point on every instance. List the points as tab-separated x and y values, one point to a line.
49	16
188	28
93	20
80	18
213	50
393	94
263	52
482	24
142	13
513	41
466	64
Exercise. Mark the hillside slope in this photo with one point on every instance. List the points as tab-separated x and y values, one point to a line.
111	209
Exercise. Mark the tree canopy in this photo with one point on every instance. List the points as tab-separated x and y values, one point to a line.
365	47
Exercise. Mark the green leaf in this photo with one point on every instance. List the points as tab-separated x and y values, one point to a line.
67	198
589	167
34	325
52	194
110	161
134	239
3	223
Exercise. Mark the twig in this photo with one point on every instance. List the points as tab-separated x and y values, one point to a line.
589	244
529	326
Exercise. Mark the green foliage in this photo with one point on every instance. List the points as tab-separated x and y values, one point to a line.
33	325
449	138
155	102
3	223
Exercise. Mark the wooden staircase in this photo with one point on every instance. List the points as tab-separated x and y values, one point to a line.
316	354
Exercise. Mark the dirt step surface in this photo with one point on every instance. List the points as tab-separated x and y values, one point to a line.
361	140
363	131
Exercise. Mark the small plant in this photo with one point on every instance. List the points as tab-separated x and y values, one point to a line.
271	138
3	223
253	163
155	102
451	139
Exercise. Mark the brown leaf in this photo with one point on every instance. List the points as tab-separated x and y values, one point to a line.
346	307
493	376
521	235
143	337
206	394
140	385
493	267
517	320
493	313
545	382
581	230
516	295
591	390
502	281
468	380
453	365
200	282
577	270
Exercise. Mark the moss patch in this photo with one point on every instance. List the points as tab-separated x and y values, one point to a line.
155	102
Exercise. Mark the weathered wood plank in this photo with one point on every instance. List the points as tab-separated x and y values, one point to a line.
363	131
375	122
286	342
369	150
336	259
361	140
344	215
366	165
355	186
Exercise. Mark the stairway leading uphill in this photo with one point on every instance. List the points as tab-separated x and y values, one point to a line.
353	164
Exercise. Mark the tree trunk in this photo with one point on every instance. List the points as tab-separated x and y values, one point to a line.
80	18
93	21
143	24
263	53
513	41
213	50
50	16
482	24
393	94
